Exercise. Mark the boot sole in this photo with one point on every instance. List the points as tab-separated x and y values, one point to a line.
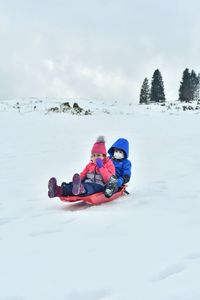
52	187
76	184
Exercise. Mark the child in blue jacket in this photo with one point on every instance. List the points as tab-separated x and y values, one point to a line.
119	153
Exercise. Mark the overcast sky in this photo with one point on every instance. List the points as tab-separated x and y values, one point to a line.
100	49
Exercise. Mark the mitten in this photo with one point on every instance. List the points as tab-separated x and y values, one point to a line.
120	181
99	162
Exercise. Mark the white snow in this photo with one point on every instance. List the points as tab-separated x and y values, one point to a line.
145	246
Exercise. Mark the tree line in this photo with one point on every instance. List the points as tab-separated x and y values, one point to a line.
189	89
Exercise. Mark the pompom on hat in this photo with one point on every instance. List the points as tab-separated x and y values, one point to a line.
99	146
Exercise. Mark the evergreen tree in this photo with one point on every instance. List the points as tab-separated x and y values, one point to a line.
197	92
194	81
157	88
145	92
185	90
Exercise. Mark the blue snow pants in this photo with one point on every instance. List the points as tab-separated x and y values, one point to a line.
90	188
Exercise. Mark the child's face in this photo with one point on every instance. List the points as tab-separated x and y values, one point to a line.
118	154
96	155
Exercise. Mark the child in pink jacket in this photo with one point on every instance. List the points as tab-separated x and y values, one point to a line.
92	179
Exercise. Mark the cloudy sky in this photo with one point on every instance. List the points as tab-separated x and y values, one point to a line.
100	49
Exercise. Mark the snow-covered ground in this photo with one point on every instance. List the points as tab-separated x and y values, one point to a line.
145	246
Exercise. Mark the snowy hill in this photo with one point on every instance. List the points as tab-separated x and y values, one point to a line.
84	107
144	246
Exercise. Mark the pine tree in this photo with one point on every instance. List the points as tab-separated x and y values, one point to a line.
185	87
197	93
193	84
157	88
145	92
194	81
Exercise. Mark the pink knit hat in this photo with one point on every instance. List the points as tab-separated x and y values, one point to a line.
99	146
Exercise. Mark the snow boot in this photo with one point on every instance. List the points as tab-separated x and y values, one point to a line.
77	186
54	189
111	187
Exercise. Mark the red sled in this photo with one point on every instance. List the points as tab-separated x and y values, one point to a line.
97	198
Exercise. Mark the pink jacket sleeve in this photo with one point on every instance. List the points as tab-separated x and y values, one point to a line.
84	172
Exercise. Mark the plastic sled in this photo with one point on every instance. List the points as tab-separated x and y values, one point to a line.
97	198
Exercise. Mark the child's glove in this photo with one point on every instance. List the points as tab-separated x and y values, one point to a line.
120	181
99	162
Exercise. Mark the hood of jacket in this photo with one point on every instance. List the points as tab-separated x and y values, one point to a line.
121	144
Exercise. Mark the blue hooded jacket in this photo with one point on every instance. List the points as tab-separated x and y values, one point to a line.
122	166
